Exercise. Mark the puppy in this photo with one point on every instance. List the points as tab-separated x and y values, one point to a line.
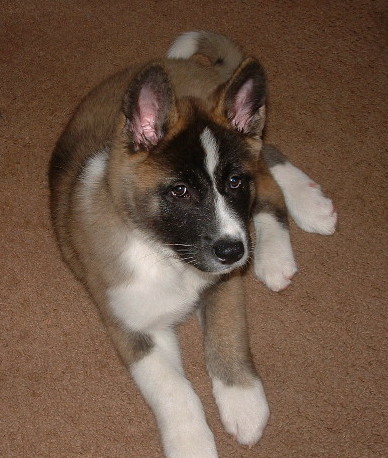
154	185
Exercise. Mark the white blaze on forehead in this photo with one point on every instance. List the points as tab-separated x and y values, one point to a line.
229	225
209	144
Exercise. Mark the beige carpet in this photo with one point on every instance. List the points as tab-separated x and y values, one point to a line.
321	345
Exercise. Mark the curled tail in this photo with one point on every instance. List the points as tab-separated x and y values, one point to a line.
209	48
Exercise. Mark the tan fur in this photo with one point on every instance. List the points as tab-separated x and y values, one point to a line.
226	339
99	123
268	192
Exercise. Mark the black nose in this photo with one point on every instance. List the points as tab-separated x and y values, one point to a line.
228	251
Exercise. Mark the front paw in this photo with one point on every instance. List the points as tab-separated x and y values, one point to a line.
190	444
275	272
187	435
273	258
244	410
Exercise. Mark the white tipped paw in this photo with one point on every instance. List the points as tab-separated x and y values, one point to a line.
190	444
276	273
244	410
274	260
311	209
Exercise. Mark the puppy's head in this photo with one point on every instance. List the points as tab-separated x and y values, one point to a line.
189	178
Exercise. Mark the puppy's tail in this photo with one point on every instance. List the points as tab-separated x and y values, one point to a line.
210	49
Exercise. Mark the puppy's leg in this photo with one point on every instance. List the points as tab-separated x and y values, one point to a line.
237	388
273	258
155	364
308	206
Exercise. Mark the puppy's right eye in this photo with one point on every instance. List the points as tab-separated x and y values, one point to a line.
180	191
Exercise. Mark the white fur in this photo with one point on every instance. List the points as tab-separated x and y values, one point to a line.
210	146
91	177
244	410
274	259
178	410
161	290
228	223
308	206
184	46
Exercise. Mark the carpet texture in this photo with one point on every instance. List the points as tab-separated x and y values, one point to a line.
320	346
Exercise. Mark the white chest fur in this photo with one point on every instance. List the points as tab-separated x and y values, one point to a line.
161	290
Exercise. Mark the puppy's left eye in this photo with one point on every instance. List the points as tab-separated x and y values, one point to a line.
235	182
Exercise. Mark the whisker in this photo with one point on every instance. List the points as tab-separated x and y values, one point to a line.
178	244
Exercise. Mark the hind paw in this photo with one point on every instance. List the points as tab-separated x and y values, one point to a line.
309	207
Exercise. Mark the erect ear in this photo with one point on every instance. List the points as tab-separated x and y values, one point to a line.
149	107
242	99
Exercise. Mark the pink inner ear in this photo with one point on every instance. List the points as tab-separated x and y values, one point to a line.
243	106
145	123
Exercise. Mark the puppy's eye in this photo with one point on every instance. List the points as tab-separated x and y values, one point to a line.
235	182
180	191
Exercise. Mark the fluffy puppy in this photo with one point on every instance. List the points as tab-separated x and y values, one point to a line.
154	185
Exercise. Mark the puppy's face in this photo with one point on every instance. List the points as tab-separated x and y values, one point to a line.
200	206
199	199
